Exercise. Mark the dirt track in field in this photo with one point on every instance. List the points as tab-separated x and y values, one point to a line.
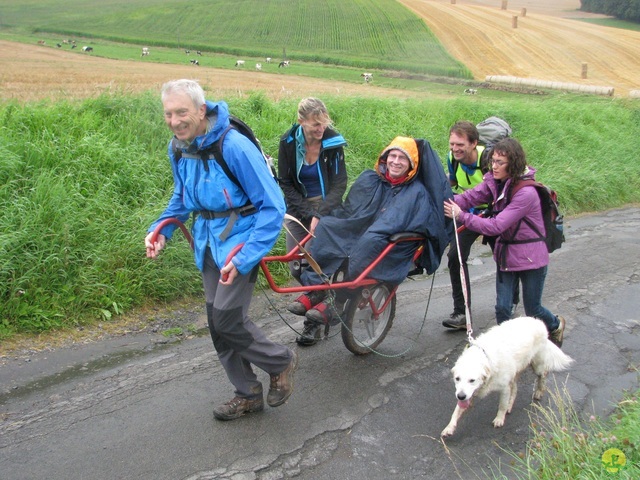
547	45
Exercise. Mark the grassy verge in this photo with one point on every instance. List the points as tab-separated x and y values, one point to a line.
80	182
564	446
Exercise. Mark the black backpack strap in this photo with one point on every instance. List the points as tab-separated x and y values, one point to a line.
456	164
177	153
216	151
485	160
511	193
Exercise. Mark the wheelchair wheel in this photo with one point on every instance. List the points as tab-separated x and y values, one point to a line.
362	329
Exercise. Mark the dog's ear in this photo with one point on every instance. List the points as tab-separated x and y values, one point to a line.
486	371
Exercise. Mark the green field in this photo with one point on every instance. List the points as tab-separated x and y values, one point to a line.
613	23
368	34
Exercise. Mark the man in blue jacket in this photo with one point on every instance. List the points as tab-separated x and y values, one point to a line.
226	214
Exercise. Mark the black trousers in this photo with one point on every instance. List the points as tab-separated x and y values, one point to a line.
466	239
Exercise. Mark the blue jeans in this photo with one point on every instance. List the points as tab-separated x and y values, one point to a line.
532	286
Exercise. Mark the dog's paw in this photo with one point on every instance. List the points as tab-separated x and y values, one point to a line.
447	432
498	421
538	394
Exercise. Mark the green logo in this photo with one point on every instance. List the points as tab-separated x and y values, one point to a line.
613	460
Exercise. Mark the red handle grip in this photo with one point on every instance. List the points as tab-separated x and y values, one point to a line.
188	236
166	222
232	253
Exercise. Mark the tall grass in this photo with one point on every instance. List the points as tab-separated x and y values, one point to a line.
76	185
81	182
564	446
372	34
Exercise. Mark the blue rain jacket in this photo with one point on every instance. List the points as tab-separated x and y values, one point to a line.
196	189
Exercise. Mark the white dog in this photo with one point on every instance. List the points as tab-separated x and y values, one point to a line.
495	359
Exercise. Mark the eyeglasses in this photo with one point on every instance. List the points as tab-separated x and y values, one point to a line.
397	157
499	163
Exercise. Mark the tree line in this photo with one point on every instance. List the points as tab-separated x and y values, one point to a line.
622	9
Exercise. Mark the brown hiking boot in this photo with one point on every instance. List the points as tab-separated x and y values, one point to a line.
281	386
557	335
237	407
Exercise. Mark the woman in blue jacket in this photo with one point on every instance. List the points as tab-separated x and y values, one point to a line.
311	172
525	262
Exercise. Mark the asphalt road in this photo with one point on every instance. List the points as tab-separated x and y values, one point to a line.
134	407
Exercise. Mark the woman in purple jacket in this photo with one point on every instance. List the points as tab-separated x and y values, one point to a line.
524	262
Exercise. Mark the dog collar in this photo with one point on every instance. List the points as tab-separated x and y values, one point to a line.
474	344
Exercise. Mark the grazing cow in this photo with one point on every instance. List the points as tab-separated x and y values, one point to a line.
367	77
145	51
187	52
194	62
268	59
73	46
239	63
41	42
284	63
470	91
87	49
58	45
258	66
198	52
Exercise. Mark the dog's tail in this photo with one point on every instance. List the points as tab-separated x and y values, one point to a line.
554	359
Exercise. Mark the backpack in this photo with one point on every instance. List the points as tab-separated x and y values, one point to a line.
491	130
215	150
553	220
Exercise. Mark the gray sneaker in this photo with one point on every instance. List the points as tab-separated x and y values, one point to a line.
237	407
456	320
557	335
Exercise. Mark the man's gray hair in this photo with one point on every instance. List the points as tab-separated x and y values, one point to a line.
190	87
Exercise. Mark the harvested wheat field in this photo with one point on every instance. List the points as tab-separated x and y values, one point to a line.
545	45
